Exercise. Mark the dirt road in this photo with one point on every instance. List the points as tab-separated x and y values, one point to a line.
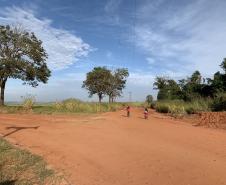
111	149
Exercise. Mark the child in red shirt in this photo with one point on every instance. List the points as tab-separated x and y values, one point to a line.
128	111
145	113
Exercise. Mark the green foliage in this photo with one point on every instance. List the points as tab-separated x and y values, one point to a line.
219	102
180	107
21	57
102	81
70	106
153	105
223	65
162	108
177	111
117	83
77	106
193	89
168	88
97	81
149	99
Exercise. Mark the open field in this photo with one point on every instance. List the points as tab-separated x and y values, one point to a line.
111	149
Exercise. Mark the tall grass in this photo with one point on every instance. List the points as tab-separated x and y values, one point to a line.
71	105
77	106
74	105
180	108
28	102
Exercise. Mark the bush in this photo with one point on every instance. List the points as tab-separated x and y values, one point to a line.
179	107
75	105
219	102
177	111
190	110
163	108
28	102
153	105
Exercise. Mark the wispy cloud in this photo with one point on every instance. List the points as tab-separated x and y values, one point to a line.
63	47
184	37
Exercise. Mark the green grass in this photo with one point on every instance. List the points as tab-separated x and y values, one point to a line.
67	106
179	108
20	167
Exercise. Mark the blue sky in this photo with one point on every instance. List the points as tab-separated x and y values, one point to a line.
149	37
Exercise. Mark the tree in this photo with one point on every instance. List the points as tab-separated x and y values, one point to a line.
191	87
160	82
223	65
196	78
168	88
117	83
149	99
97	82
21	57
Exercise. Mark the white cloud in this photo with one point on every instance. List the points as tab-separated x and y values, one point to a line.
63	47
183	38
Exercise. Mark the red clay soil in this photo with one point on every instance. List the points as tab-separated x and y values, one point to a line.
213	119
111	149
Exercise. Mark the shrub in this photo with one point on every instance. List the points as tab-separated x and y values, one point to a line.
179	107
177	111
153	105
163	108
219	102
28	102
190	110
75	105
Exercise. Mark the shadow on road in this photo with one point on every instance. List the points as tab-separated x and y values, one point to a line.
16	129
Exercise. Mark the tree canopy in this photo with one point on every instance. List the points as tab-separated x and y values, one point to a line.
168	88
21	57
117	83
102	81
192	87
149	99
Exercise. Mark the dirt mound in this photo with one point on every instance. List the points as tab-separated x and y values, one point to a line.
213	119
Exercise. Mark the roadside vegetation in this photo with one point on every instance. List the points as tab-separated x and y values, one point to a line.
20	167
70	105
191	95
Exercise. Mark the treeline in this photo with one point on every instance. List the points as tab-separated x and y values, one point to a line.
195	88
102	81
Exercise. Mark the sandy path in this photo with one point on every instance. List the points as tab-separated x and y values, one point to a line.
111	149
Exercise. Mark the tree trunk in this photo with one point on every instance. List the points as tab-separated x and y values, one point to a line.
2	98
109	99
100	97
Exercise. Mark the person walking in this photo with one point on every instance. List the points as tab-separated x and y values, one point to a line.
128	111
146	113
